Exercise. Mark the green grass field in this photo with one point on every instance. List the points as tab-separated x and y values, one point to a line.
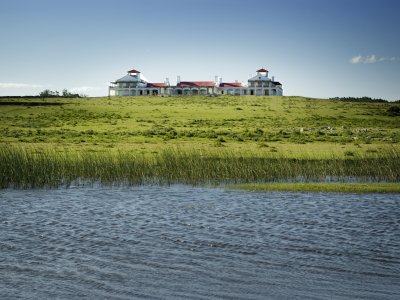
285	128
271	124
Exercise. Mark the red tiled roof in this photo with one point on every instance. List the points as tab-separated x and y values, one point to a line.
230	84
133	71
196	83
262	70
154	84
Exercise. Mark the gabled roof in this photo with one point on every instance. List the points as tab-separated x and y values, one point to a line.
262	70
230	84
196	84
276	83
153	84
128	78
133	71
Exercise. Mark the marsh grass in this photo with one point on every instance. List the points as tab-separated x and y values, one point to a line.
22	167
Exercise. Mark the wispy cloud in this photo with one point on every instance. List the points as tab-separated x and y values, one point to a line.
13	85
85	89
370	59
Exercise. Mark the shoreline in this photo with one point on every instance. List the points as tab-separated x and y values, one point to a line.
341	187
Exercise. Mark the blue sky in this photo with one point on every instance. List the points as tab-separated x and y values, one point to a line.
315	48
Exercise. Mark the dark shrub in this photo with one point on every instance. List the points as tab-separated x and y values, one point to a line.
393	111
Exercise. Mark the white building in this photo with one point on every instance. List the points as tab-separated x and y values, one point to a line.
135	84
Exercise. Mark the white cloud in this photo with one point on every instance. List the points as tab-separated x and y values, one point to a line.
12	85
356	59
370	59
85	89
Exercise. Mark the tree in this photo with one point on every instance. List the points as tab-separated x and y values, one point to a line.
65	93
51	94
46	93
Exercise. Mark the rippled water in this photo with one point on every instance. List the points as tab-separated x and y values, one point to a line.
197	243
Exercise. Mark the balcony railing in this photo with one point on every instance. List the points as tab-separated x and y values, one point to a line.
123	88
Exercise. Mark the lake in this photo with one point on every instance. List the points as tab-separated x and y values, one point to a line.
183	242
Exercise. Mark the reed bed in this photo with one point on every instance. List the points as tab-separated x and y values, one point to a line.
36	168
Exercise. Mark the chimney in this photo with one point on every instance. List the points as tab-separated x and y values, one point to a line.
216	80
178	79
273	78
166	81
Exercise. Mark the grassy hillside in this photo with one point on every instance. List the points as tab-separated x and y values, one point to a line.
196	140
290	125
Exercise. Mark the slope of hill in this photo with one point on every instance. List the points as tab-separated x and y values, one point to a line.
288	124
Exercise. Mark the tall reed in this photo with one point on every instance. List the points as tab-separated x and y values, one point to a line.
35	167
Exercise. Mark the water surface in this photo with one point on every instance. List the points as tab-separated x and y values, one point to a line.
180	242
